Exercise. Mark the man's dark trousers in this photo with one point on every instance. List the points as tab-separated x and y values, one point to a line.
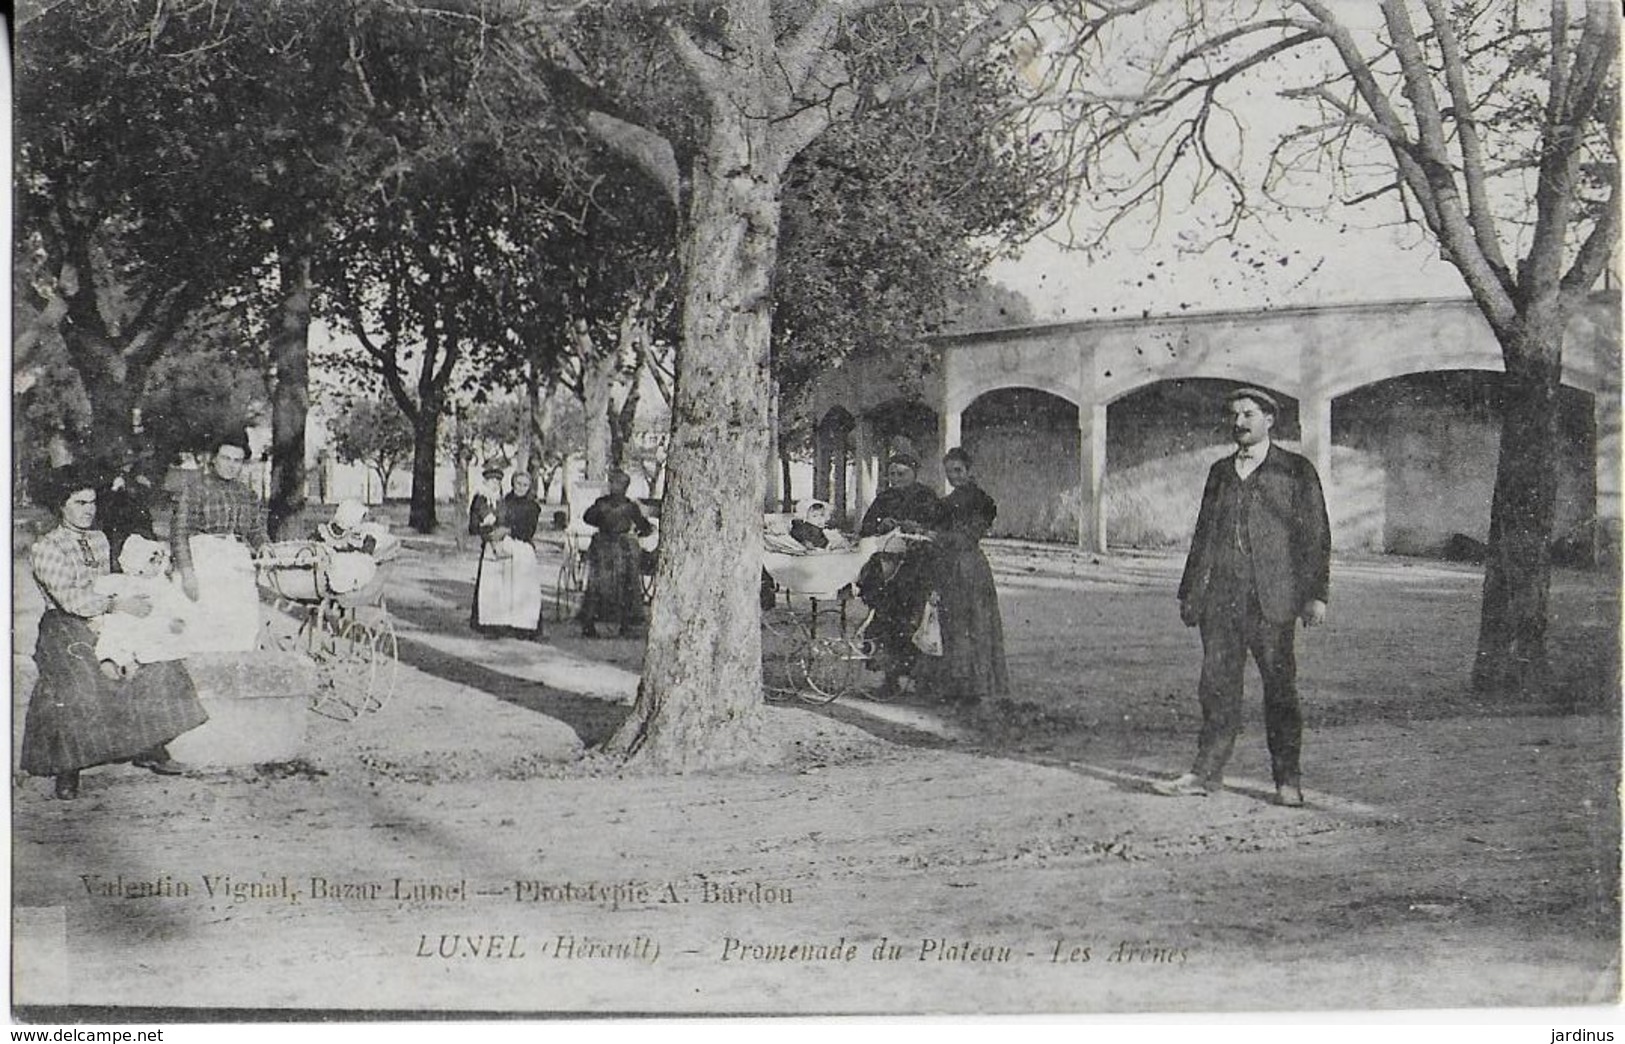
1232	626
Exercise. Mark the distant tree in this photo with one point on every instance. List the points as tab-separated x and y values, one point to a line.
430	273
560	427
493	431
375	434
988	306
197	393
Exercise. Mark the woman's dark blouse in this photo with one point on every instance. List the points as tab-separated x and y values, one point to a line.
521	515
616	516
911	503
966	514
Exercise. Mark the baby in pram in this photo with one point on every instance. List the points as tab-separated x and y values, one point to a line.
808	533
355	547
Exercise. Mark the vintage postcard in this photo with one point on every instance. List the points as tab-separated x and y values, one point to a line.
517	512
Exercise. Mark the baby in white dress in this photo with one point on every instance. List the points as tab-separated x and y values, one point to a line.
124	640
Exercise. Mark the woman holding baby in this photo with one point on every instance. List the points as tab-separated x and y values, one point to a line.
78	716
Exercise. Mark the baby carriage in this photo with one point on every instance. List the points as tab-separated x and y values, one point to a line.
813	642
344	620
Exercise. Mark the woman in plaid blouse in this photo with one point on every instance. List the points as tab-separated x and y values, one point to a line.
77	716
217	522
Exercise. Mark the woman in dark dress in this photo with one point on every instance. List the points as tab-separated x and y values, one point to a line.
972	665
614	560
896	586
485	522
77	716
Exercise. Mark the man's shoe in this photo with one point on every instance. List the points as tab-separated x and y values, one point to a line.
1188	785
1289	795
165	766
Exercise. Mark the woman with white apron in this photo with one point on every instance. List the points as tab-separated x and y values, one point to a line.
218	523
508	585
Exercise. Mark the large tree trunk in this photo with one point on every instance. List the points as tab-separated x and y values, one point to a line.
460	457
526	453
700	701
622	421
425	439
113	388
290	398
1511	655
597	376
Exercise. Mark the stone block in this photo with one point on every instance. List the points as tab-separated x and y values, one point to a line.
258	708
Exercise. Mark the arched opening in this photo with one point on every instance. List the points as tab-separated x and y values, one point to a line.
1415	458
906	424
1025	445
901	426
1161	439
832	459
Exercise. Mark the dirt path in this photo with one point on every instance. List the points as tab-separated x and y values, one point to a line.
1452	854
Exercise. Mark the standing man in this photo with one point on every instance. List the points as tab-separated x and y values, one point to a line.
1260	561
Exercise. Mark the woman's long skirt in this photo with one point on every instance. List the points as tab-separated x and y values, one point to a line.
78	717
972	665
508	587
614	581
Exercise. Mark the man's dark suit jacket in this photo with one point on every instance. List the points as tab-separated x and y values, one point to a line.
1290	535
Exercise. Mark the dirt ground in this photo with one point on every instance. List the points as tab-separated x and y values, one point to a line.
455	852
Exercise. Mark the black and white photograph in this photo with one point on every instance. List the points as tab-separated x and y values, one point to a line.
546	509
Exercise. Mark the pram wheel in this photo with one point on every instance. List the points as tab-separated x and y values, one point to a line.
358	656
834	666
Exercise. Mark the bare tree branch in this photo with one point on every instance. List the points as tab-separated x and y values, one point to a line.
1597	251
650	152
1480	215
1574	90
998	24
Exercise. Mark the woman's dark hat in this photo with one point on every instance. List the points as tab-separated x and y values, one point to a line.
908	460
232	435
494	470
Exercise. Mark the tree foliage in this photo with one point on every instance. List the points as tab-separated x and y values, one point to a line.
428	272
200	391
890	218
129	209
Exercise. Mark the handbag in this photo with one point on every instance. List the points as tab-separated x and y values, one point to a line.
928	636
